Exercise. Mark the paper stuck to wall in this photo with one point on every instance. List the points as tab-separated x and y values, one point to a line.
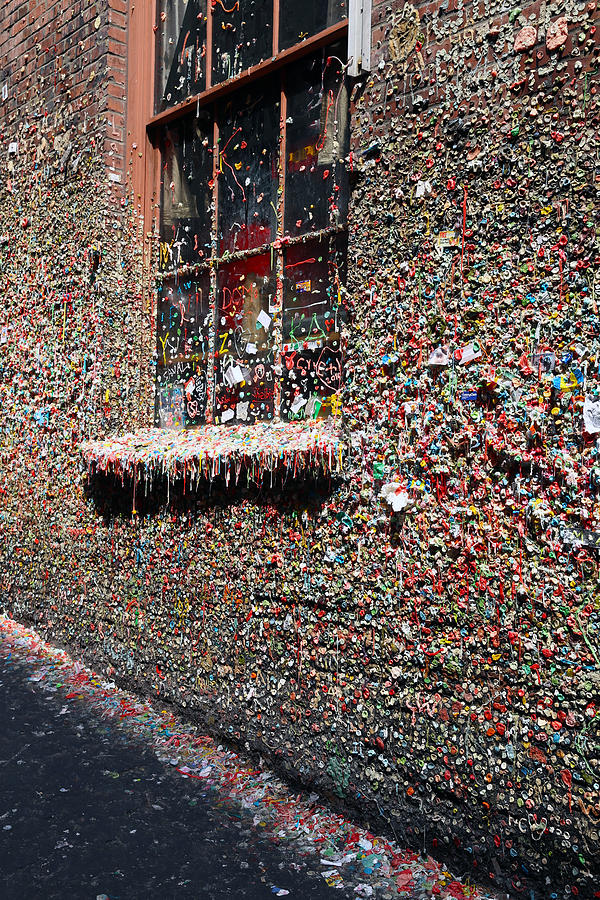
234	375
298	403
591	415
264	320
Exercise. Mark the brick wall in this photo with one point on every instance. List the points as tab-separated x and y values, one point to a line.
70	57
474	230
434	669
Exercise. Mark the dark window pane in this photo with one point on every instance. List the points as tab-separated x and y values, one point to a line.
183	320
298	21
181	395
312	275
248	171
245	388
312	366
311	382
181	51
182	344
317	143
242	36
187	172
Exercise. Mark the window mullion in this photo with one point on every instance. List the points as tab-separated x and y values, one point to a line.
275	27
278	324
282	160
214	298
209	43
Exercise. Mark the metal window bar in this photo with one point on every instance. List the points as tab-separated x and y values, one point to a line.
209	44
275	27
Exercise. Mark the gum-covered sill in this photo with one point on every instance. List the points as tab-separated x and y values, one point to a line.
212	450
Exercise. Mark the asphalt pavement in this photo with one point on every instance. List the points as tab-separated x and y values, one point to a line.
87	813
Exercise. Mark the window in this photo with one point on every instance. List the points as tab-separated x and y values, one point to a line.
181	50
252	123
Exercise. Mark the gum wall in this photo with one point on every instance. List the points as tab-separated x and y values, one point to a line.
421	643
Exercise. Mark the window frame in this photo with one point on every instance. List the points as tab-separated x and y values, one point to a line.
214	92
209	99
